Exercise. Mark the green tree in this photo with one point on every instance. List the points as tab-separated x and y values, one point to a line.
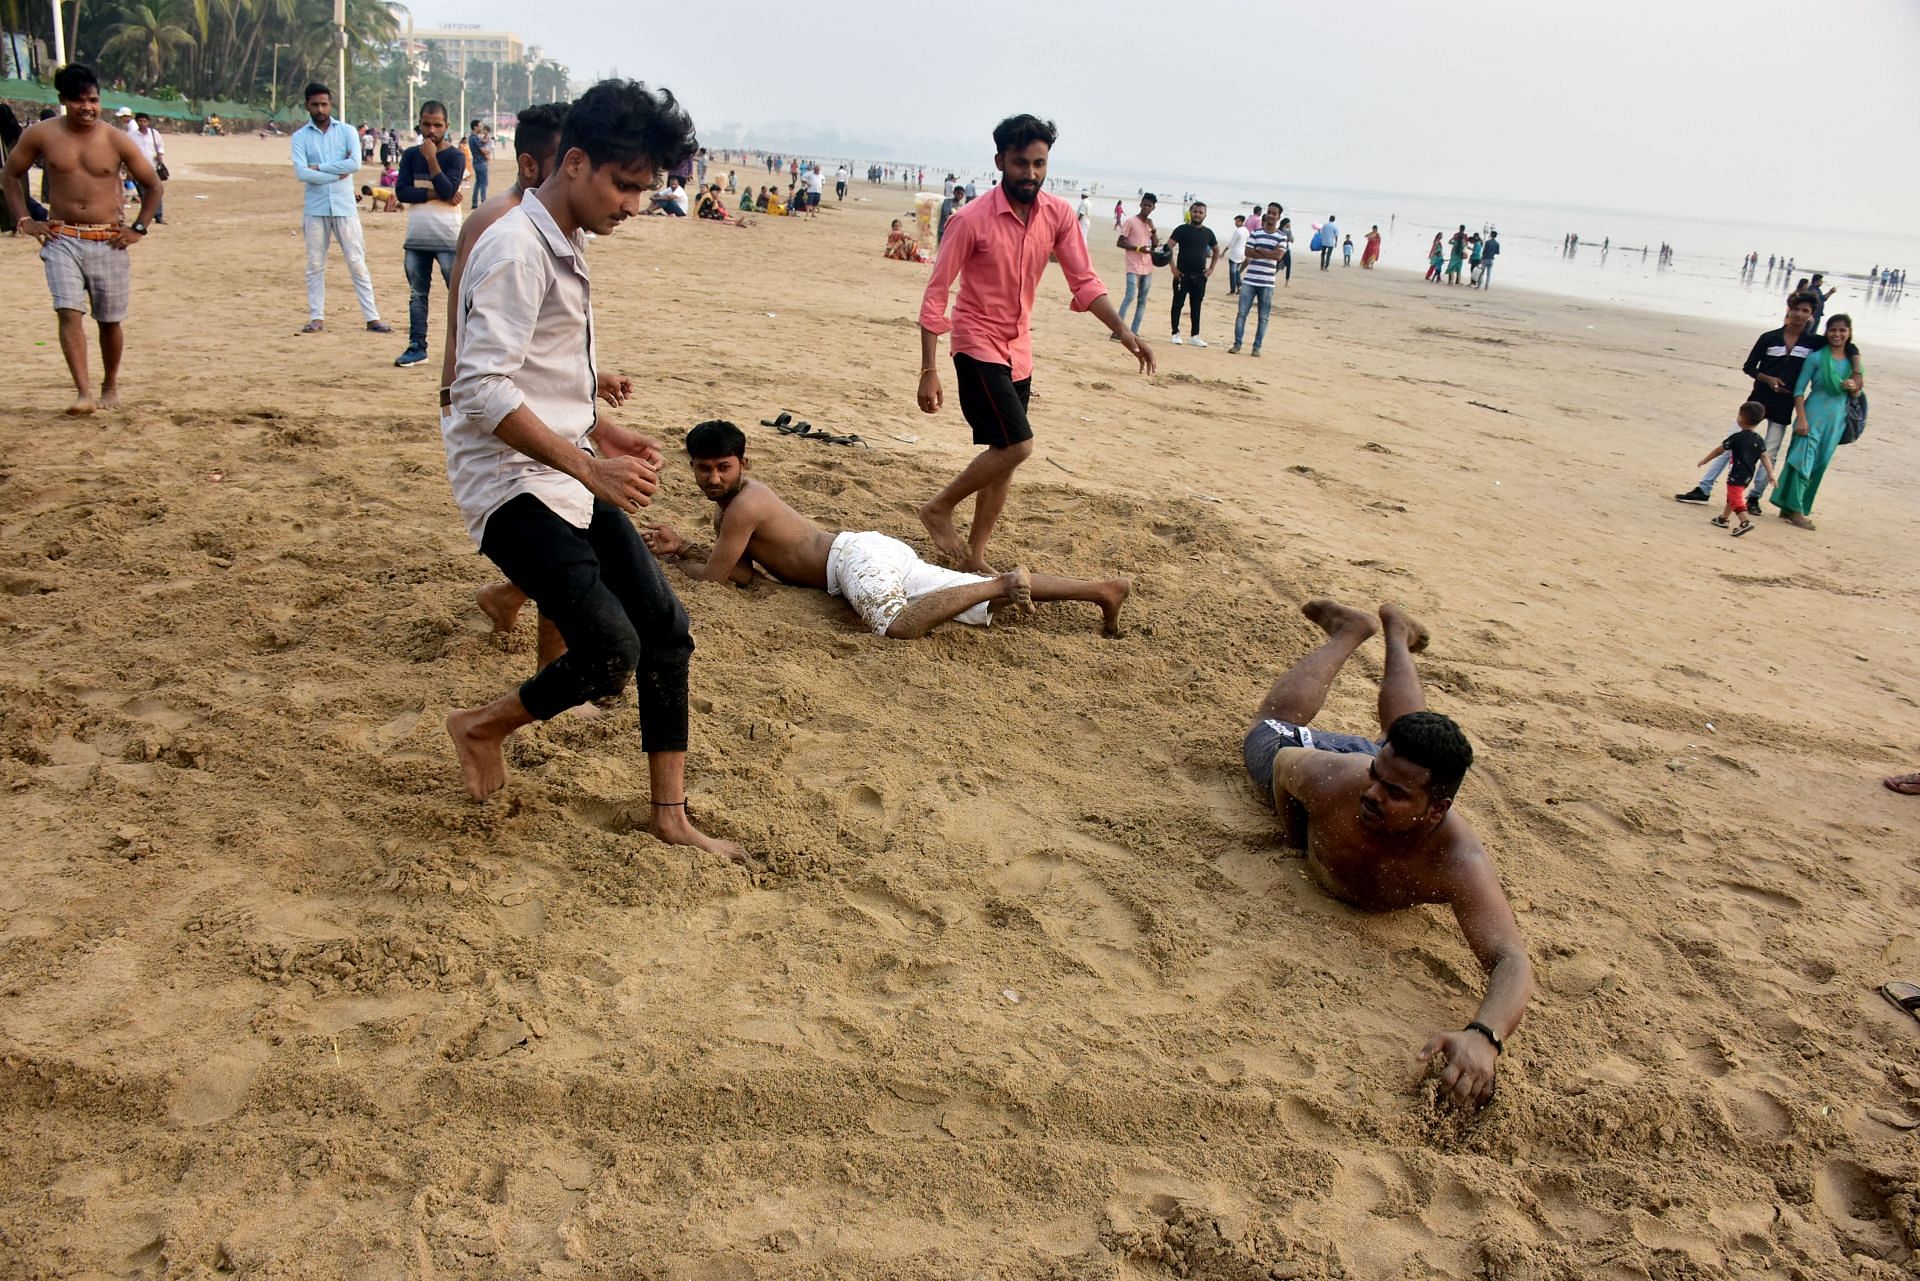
145	37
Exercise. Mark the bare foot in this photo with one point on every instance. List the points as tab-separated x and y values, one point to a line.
482	762
1019	589
671	825
946	539
109	398
82	405
1113	595
1905	784
1334	618
501	603
1415	632
585	712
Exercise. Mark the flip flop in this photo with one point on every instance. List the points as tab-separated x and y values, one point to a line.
781	421
1904	996
1746	527
827	437
1905	784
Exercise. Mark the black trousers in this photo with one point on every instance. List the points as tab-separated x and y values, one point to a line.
1189	285
611	602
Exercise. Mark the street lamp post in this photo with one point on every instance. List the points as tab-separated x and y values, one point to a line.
496	93
340	36
59	38
276	78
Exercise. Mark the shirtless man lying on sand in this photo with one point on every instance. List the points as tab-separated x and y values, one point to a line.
1377	823
887	584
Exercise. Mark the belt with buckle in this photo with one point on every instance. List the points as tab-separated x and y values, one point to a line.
86	230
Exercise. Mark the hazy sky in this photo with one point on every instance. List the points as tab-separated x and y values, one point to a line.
1754	109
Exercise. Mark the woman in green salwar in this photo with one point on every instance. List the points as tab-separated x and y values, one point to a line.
1828	378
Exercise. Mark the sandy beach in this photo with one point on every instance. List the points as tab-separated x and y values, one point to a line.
1026	986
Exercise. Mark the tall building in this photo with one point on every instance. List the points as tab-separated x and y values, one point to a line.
462	44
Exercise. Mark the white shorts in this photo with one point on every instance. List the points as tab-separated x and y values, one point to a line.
880	576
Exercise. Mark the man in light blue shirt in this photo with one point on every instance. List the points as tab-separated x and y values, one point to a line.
326	155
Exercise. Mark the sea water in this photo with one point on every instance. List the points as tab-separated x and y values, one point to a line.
1703	278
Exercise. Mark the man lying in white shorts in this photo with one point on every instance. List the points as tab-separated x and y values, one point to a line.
895	592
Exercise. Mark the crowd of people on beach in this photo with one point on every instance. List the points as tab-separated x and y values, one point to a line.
547	481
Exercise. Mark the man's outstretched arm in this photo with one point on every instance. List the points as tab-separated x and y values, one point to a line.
724	562
1486	919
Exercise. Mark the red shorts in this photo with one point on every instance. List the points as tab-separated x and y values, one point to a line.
1736	497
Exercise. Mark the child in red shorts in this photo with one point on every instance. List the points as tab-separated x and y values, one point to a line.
1749	450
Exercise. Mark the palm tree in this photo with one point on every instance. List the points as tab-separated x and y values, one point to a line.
147	33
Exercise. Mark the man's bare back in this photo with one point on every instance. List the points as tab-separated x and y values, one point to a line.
1321	814
778	539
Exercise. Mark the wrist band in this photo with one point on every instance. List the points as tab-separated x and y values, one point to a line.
1484	1030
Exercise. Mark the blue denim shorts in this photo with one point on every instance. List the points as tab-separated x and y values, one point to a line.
1265	740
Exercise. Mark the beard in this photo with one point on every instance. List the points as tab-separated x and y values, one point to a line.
1025	190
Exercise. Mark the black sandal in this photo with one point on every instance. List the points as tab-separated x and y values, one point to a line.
781	421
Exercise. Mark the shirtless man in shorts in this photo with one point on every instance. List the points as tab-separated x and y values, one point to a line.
84	246
895	592
1377	822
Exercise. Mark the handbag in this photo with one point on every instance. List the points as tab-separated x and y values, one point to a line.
1162	255
1856	419
160	168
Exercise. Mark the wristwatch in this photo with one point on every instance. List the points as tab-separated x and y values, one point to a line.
138	228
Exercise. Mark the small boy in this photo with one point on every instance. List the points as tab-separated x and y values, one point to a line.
1749	450
381	199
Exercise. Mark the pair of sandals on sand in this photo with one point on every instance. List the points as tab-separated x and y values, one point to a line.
786	425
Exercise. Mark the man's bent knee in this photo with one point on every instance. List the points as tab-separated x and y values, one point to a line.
605	674
1018	452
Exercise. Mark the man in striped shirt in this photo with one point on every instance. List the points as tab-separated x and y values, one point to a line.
1256	280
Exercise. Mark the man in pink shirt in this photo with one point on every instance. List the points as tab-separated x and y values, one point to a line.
999	245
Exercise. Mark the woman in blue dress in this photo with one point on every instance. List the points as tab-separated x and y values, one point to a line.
1829	377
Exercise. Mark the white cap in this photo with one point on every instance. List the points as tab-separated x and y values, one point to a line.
124	111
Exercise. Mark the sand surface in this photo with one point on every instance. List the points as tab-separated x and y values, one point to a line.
1026	987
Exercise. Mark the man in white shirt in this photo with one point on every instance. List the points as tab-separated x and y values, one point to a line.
1085	214
814	182
840	183
147	138
1237	252
546	483
326	155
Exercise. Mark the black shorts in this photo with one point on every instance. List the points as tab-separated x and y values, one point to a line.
993	404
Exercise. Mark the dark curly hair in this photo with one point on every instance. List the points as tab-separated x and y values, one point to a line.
73	80
538	128
1016	133
623	122
1431	740
716	438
